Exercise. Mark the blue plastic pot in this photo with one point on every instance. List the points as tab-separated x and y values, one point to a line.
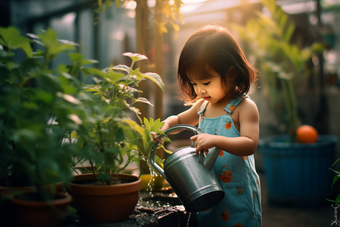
298	174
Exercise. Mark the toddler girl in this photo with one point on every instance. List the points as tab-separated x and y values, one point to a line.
214	74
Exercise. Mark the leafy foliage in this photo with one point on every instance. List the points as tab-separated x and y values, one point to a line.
281	62
44	127
170	10
335	179
109	134
35	120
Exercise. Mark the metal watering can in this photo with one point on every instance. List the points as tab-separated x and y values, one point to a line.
191	176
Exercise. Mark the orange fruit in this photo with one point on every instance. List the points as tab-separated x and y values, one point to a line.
306	134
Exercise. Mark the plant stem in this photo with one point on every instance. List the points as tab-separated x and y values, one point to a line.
92	168
294	117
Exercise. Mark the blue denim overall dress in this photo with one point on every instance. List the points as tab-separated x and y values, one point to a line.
241	206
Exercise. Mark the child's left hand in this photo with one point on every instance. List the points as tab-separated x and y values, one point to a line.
203	142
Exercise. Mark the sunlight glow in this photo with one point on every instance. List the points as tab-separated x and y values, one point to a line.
129	5
68	18
151	3
193	1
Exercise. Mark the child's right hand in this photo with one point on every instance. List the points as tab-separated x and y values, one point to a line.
155	136
165	126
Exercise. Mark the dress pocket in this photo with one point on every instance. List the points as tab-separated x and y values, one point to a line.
238	197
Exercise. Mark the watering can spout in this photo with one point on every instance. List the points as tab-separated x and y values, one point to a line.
209	160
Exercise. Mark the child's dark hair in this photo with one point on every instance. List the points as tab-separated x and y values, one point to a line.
214	48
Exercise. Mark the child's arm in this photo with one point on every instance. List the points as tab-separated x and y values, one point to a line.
189	117
244	145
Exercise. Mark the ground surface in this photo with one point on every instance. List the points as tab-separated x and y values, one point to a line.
274	216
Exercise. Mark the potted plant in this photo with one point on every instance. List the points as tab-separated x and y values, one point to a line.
36	112
336	201
110	139
289	166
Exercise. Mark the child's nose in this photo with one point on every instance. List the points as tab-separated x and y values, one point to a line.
201	90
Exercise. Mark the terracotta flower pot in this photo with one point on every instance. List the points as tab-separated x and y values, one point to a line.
105	203
40	213
5	192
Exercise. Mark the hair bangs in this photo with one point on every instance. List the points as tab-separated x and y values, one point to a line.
199	70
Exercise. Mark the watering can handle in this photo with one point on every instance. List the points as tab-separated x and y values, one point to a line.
171	129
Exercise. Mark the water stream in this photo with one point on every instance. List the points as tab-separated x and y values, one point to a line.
188	222
163	205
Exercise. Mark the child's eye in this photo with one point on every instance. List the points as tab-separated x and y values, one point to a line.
193	84
206	83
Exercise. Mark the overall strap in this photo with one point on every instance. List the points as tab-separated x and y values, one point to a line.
201	112
233	103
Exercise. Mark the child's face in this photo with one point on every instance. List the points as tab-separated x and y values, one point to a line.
210	89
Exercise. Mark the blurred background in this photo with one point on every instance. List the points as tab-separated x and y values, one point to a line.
104	36
105	29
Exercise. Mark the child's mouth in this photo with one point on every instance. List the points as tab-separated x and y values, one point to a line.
206	98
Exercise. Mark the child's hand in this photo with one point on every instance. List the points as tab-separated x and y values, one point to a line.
165	126
203	142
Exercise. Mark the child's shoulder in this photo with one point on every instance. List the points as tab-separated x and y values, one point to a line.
247	104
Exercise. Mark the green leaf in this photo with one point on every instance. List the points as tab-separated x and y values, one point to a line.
335	179
135	56
75	57
120	136
156	126
124	68
91	89
12	39
23	134
337	200
80	141
136	127
331	200
155	78
288	34
147	124
146	137
43	96
335	171
114	76
144	100
336	162
93	71
74	135
87	61
27	48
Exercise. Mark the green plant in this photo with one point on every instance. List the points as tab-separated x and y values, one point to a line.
282	63
109	134
39	123
335	179
35	119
